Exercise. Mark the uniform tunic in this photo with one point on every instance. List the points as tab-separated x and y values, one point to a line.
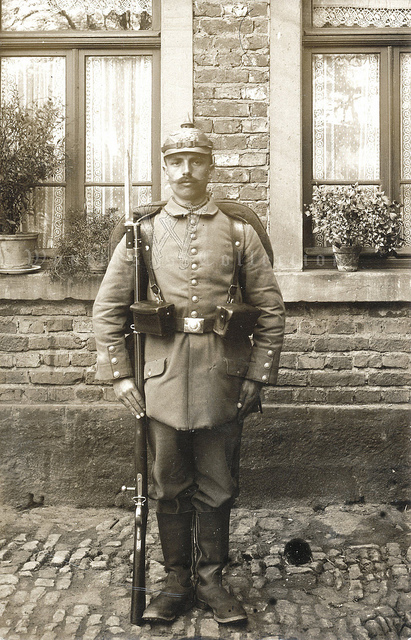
192	381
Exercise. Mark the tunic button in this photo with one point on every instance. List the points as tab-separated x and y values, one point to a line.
237	243
116	374
111	348
147	247
269	353
194	282
149	372
194	314
267	365
193	236
193	251
264	378
114	360
194	298
194	265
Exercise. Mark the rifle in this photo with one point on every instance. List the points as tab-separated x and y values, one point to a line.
140	499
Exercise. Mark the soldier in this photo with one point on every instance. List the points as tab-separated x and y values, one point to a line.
199	386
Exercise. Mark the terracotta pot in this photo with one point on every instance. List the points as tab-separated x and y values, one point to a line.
347	258
97	265
17	251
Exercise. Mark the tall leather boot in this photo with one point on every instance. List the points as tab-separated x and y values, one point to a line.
177	595
212	533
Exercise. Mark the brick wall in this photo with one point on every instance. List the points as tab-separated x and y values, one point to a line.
345	354
333	354
231	93
335	427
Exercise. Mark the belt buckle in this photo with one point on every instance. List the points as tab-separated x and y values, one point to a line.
193	325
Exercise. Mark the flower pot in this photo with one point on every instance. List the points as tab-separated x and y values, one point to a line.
97	265
17	253
347	258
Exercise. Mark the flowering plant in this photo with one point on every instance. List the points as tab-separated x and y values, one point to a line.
349	215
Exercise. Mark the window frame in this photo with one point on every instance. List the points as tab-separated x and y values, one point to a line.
74	47
389	43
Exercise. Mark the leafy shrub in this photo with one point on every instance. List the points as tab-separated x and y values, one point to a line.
349	215
29	154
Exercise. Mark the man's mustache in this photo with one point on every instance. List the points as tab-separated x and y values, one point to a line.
187	179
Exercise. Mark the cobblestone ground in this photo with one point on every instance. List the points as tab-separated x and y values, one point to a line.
65	573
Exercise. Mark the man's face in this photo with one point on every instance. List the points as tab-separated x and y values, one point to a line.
188	175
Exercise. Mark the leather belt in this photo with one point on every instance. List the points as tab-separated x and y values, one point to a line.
194	325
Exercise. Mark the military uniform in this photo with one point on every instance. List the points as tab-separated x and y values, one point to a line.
193	380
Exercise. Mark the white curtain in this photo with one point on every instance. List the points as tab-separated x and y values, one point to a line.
118	120
346	117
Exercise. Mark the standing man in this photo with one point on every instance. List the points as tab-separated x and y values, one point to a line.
199	386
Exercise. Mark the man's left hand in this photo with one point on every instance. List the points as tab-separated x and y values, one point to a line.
249	395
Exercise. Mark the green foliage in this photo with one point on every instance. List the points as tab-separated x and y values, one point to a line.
85	240
349	215
29	154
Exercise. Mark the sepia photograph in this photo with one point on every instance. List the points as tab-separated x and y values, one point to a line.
205	336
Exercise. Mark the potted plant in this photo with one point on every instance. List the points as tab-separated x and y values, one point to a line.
30	152
350	217
83	248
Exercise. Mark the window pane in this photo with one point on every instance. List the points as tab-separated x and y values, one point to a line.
118	118
361	13
48	215
37	79
100	199
81	15
346	135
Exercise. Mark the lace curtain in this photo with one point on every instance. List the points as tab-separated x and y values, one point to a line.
346	117
361	13
405	70
118	120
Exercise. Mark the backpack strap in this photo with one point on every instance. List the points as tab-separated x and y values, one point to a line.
237	238
145	211
241	212
147	233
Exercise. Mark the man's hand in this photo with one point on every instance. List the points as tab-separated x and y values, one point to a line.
127	392
249	394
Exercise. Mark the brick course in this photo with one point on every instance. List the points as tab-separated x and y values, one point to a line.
333	353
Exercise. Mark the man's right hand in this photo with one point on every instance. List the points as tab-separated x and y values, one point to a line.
127	392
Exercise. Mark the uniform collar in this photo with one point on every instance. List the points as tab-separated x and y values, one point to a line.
174	209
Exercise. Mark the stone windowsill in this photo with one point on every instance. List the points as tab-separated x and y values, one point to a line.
306	286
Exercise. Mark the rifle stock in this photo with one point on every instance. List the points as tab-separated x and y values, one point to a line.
140	499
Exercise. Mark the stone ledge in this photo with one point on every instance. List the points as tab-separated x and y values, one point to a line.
297	286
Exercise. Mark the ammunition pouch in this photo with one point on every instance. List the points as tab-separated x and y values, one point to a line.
155	318
235	319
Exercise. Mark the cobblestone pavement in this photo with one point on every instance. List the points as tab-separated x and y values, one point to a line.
65	573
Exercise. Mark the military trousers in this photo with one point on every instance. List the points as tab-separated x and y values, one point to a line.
196	469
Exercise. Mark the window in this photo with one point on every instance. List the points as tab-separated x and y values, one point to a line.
100	62
357	99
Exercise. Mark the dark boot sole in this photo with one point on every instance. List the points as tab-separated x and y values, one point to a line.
157	618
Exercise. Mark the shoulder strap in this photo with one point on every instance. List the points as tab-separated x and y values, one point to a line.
144	211
237	238
147	233
245	214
